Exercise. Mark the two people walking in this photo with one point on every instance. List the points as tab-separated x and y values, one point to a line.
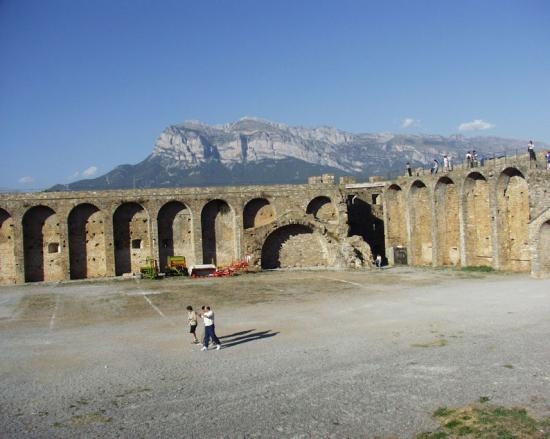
209	327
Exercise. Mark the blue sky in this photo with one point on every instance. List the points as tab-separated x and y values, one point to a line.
86	85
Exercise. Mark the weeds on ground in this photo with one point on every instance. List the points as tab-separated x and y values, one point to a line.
478	269
487	422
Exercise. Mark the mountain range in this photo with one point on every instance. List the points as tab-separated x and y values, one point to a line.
257	151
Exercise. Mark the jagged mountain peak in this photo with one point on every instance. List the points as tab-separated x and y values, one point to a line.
257	151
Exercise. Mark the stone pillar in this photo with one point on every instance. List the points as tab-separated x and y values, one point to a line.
18	249
153	211
387	232
65	264
493	201
109	240
239	231
195	207
462	225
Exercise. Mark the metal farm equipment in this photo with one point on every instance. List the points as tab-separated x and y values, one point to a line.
176	266
151	270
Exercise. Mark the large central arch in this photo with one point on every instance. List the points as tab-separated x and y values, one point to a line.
293	245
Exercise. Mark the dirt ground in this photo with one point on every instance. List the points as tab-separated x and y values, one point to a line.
305	354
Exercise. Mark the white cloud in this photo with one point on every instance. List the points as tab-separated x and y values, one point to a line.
408	122
476	125
26	179
90	172
87	173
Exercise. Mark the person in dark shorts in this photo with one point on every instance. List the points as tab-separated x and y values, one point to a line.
192	318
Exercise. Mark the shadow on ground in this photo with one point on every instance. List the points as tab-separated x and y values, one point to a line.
244	337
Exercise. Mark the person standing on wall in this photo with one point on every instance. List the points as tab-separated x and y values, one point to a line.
409	170
209	329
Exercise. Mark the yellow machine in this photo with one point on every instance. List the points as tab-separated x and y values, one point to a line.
151	270
176	266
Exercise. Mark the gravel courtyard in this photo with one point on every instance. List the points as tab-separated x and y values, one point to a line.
306	354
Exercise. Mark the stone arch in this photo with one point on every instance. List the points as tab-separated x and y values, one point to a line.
397	226
447	225
293	245
363	222
86	242
258	212
420	211
322	209
513	221
218	233
7	246
131	236
543	249
42	246
478	231
175	232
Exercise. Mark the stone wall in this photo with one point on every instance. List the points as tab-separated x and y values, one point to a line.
77	235
497	215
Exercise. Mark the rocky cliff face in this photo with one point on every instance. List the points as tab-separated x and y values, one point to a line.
255	151
249	140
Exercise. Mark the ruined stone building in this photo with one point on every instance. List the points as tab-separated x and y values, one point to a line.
497	216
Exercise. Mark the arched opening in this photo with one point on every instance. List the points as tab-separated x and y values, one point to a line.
7	256
447	226
293	245
420	209
544	249
131	236
42	245
397	226
86	242
363	222
218	233
513	221
322	209
258	212
175	237
477	218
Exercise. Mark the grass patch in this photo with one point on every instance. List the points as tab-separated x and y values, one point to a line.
477	269
133	392
488	422
82	420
